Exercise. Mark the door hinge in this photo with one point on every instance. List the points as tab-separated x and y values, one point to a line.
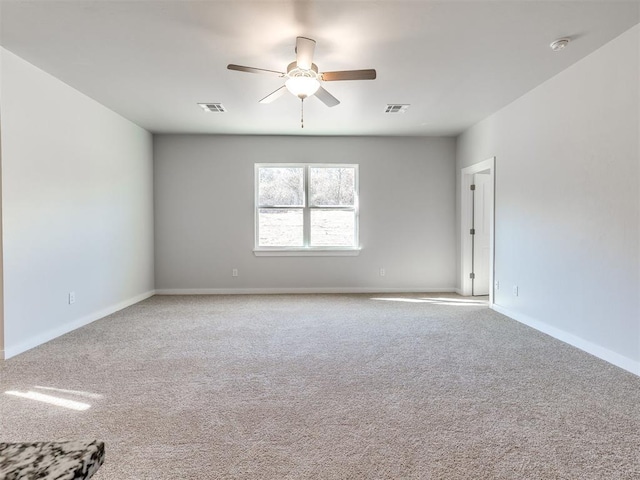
473	187
472	231
472	276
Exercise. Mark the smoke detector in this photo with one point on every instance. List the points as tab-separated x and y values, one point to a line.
559	44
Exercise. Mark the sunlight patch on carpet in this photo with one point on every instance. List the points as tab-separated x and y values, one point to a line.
50	399
457	302
70	392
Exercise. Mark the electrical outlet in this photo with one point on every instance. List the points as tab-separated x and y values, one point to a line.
382	272
72	297
234	272
497	285
515	290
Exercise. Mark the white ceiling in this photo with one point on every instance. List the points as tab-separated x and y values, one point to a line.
455	62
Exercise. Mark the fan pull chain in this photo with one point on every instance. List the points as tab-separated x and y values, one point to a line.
302	113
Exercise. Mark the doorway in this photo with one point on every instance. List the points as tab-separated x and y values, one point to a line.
481	237
477	229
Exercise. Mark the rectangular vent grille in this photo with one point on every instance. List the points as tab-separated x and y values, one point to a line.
213	107
396	108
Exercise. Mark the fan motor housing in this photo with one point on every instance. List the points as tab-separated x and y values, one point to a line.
294	71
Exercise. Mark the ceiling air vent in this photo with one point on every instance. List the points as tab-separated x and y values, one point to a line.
396	108
213	107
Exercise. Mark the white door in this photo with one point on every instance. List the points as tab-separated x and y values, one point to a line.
482	204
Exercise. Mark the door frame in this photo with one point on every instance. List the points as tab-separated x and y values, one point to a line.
466	212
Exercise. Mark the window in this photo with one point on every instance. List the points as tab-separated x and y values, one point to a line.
306	208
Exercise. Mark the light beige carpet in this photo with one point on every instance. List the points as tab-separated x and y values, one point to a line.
326	387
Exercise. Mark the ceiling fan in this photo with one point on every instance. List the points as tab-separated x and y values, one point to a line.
303	78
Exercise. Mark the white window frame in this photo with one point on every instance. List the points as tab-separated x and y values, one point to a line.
307	250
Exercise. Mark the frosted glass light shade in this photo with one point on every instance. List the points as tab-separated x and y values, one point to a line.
302	86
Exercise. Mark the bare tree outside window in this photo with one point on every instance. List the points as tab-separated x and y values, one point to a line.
332	186
281	187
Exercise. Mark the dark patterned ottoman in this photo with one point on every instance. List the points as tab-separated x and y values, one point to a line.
72	460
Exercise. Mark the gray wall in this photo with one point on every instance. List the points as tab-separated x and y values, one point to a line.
77	187
204	214
568	204
2	354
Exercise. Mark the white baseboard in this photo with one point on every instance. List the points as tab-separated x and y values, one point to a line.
596	350
13	350
275	291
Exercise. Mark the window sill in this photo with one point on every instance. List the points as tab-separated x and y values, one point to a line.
307	252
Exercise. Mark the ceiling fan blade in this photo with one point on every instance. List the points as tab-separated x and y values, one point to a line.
326	98
304	52
274	95
369	74
241	68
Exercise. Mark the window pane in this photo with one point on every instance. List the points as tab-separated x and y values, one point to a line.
331	186
280	228
279	187
332	228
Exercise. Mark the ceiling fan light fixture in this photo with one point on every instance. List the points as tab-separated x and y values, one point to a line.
302	87
302	77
